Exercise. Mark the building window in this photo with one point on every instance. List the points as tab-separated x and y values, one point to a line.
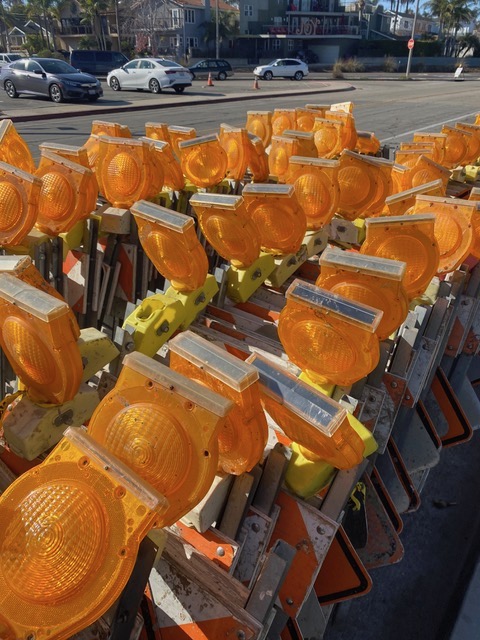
290	45
275	45
189	16
192	43
176	19
405	24
248	10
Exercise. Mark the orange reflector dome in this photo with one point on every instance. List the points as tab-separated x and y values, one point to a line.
426	170
78	155
228	227
305	118
39	336
329	137
367	143
439	141
170	241
408	239
283	119
453	228
203	160
13	148
257	160
157	131
331	338
235	142
350	133
376	282
259	123
72	527
456	146
19	196
359	181
68	193
167	164
158	173
473	151
277	215
180	134
281	150
399	203
165	428
316	188
314	421
243	437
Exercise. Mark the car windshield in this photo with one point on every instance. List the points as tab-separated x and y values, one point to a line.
57	66
15	56
168	63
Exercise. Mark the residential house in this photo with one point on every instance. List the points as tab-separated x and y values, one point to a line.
401	24
18	33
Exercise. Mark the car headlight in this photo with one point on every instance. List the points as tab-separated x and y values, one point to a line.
69	83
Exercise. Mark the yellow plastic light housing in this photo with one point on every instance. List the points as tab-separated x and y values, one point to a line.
19	197
439	141
330	337
364	185
68	194
453	227
311	419
367	143
306	143
165	428
376	282
69	539
39	336
278	216
316	187
13	148
456	146
243	437
329	137
427	170
170	241
257	160
473	152
409	239
203	160
399	203
166	162
180	134
235	142
350	132
259	123
305	118
78	155
157	131
125	171
228	227
475	248
282	119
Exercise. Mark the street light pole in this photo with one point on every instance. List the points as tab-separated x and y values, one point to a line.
410	51
217	39
118	27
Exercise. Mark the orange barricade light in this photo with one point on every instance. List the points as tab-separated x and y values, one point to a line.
78	155
112	129
384	184
125	171
228	227
311	419
373	281
281	150
157	131
170	241
439	141
277	215
473	152
235	143
257	160
91	147
166	162
408	158
427	170
456	146
305	118
329	137
331	338
453	227
68	194
69	540
360	185
346	107
316	188
320	109
39	336
408	239
243	437
349	121
203	160
306	143
367	143
400	178
282	119
165	428
23	268
259	123
475	248
19	197
158	173
427	147
399	203
180	134
13	148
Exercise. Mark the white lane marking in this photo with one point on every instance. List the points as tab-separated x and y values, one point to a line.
430	126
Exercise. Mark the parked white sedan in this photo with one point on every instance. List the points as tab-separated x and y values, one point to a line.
151	74
282	68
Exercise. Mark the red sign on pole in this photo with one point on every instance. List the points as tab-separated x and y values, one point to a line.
411	43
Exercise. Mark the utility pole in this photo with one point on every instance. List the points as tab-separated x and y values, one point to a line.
410	51
217	39
118	27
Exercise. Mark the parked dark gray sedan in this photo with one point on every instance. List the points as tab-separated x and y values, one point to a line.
49	77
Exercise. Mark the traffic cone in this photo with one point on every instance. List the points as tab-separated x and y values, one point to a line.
255	83
210	81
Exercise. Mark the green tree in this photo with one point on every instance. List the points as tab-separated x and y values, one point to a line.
228	27
92	10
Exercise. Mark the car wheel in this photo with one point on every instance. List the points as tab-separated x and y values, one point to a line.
10	89
154	86
268	75
298	75
115	84
179	89
56	94
222	75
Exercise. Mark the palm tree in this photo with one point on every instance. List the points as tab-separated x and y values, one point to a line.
91	10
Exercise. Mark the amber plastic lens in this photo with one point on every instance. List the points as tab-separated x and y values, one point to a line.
68	193
305	118
473	151
165	428
235	142
453	227
359	185
259	123
19	196
39	336
350	132
281	150
316	188
203	160
180	134
257	160
243	437
331	338
367	143
228	227
72	529
157	131
278	216
166	162
78	155
282	119
112	129
399	203
13	148
426	170
170	241
456	146
401	178
158	161
329	137
408	239
439	141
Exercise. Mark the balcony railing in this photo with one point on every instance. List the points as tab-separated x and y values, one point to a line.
312	27
70	29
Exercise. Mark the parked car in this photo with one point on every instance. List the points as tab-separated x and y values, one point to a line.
282	68
220	69
49	77
98	63
7	58
152	74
